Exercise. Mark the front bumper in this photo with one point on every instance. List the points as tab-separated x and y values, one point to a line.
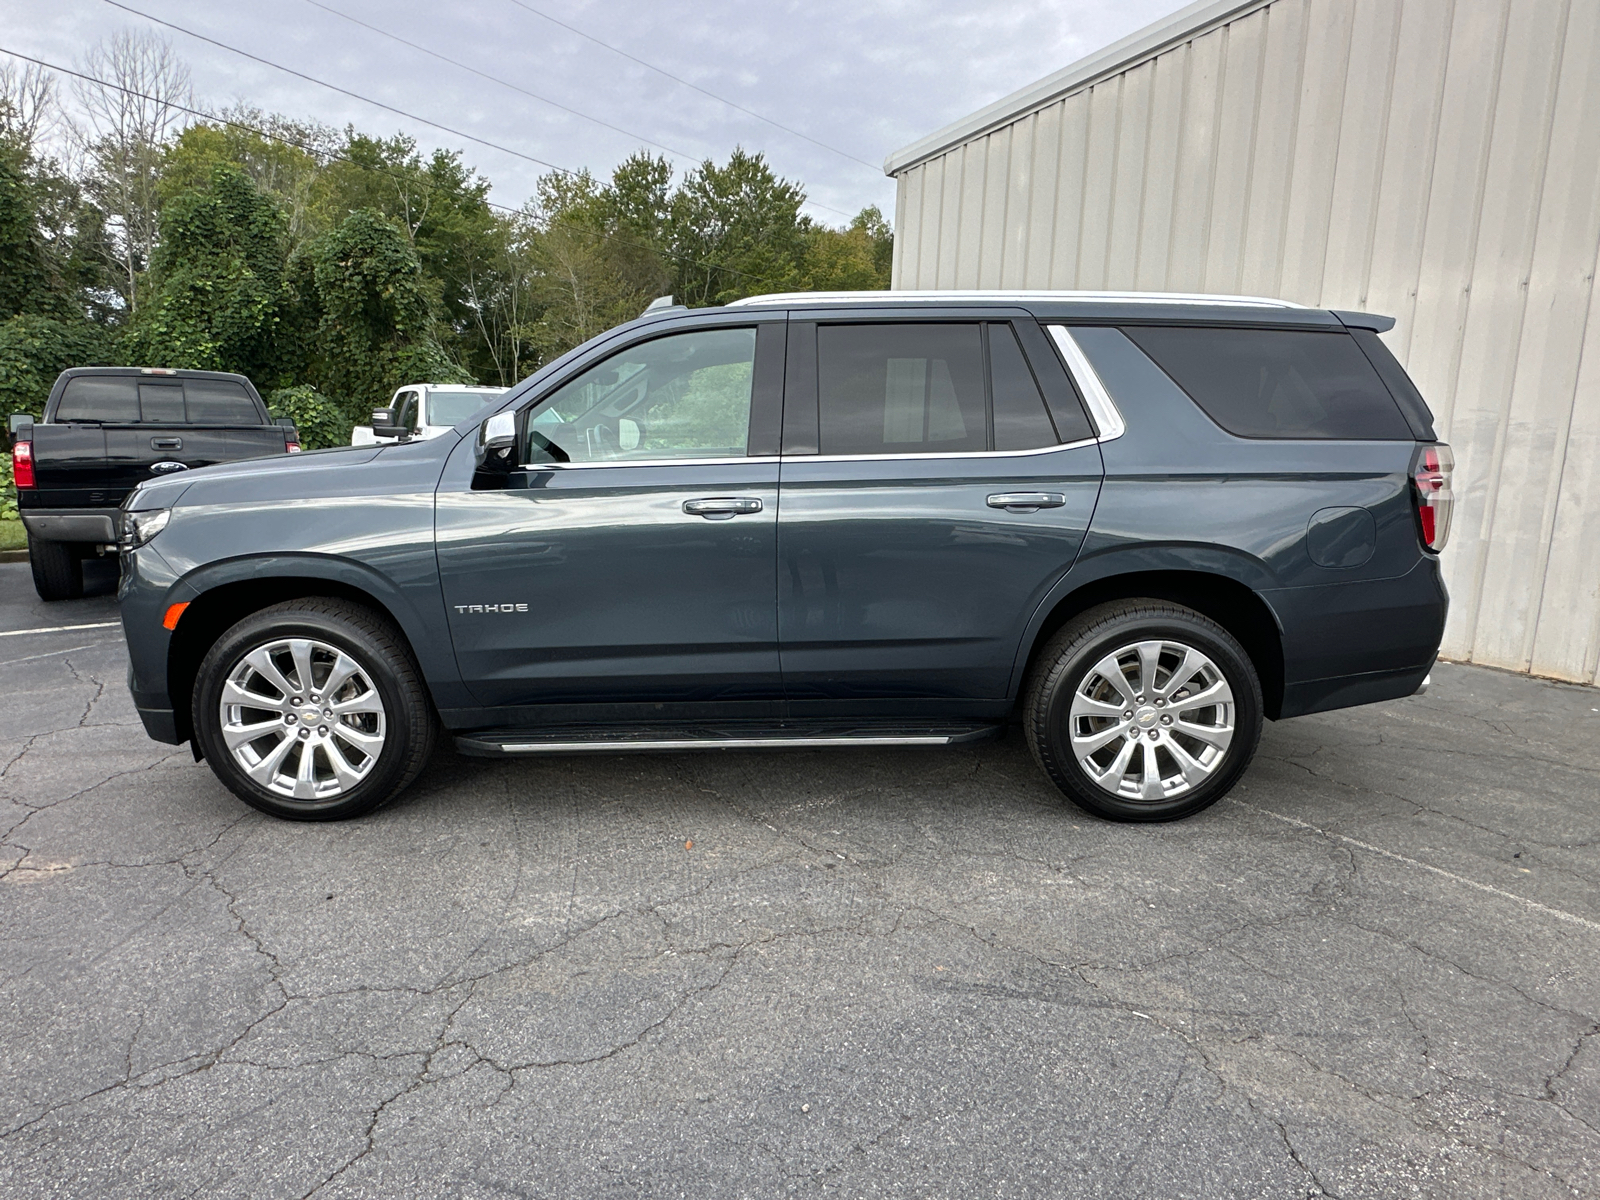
96	525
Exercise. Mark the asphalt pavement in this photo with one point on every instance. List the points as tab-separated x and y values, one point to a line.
1374	971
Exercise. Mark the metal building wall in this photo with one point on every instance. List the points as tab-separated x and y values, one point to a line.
1437	160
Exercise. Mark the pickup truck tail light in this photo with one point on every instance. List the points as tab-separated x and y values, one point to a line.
291	447
1430	476
22	465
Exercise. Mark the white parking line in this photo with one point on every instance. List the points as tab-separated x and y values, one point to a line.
59	628
1472	883
11	662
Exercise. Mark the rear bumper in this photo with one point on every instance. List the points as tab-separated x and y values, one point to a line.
1360	642
97	525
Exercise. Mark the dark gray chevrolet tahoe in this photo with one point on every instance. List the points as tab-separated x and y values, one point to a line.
1136	524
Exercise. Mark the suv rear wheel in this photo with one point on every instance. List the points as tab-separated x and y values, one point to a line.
313	710
57	569
1143	710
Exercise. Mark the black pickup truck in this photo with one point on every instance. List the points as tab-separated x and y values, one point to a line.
108	429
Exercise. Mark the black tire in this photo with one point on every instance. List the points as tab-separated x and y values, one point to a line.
409	725
57	569
1070	661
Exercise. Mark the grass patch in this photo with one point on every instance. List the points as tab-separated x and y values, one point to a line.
12	535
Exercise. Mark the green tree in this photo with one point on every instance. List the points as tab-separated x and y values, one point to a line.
735	230
215	293
855	258
365	308
35	349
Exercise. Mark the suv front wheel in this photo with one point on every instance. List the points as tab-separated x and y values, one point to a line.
312	710
1143	710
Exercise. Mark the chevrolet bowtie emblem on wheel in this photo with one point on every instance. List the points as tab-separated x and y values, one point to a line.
491	608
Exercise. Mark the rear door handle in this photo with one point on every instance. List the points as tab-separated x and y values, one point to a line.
166	443
1026	502
720	508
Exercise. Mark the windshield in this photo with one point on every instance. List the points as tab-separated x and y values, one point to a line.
452	408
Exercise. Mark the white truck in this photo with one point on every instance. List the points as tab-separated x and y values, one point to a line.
425	410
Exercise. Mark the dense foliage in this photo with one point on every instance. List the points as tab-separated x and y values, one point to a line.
331	267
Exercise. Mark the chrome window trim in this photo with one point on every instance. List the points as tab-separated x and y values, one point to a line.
938	454
1107	418
649	462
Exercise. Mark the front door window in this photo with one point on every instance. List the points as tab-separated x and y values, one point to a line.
682	396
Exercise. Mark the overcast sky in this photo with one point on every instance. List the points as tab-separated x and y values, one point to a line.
863	77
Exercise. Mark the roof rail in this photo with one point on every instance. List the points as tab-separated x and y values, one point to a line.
957	297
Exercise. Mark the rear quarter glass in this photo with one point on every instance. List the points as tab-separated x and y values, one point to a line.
1417	413
1277	383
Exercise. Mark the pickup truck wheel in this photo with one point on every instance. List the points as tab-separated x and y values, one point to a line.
1143	710
57	569
313	710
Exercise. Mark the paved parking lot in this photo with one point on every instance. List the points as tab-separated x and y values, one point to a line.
1374	972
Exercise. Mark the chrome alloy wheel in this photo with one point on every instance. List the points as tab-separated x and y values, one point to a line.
302	719
1152	720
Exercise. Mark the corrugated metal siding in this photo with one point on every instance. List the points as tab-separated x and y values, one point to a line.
1438	160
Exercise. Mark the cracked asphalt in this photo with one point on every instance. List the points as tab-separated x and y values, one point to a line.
1372	972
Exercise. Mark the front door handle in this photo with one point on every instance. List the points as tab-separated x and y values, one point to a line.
720	508
1026	502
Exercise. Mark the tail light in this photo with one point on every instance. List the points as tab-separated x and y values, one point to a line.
291	447
1431	477
22	465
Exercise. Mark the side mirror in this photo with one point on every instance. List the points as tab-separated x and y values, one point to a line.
496	439
383	424
21	428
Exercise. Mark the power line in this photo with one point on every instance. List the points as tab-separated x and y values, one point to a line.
502	82
875	167
319	152
266	62
394	37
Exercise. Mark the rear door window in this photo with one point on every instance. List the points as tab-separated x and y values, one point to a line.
901	389
110	399
1271	383
219	402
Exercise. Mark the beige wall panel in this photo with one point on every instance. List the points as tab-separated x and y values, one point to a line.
1237	113
1099	184
944	274
1043	205
1282	67
1363	132
1408	156
1560	283
1501	262
1455	198
1197	148
1069	190
1316	150
1160	170
1567	640
992	209
969	223
926	237
907	197
1127	213
1018	200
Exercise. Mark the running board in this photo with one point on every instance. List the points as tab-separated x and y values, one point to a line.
495	743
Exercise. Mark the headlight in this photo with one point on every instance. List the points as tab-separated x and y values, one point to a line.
139	527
